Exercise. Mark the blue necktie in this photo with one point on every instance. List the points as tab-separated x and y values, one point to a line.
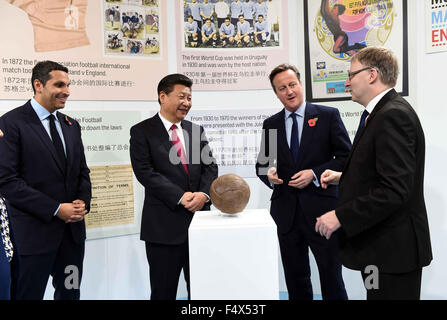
294	141
365	114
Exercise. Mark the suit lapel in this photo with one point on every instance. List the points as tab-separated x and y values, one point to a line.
69	143
307	133
162	134
38	128
283	147
386	98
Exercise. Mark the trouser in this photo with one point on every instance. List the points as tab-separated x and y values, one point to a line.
400	286
65	266
294	247
165	265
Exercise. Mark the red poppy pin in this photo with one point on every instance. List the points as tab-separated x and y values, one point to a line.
67	121
312	122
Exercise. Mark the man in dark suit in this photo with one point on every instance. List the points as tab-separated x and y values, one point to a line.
304	140
44	176
381	212
172	160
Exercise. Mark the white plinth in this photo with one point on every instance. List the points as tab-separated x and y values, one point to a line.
233	257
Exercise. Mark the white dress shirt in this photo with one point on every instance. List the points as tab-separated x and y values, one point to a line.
167	124
372	104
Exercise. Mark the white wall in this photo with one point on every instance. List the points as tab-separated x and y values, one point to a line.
116	268
432	110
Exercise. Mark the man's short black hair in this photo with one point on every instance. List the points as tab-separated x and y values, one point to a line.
42	69
167	84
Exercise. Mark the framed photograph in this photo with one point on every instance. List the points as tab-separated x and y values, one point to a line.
230	45
335	30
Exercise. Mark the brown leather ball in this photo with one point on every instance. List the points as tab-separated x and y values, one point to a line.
230	193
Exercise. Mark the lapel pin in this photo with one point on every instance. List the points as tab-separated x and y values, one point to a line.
67	121
312	122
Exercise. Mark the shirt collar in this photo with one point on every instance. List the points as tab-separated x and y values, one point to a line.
168	124
372	104
41	112
300	111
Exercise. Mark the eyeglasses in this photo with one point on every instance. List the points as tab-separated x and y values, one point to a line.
352	74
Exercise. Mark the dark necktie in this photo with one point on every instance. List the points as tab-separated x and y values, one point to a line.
294	141
57	142
179	147
365	115
4	229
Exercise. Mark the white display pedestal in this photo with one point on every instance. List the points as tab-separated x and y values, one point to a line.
233	257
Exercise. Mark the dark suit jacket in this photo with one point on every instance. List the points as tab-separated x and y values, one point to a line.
163	220
381	204
323	146
34	182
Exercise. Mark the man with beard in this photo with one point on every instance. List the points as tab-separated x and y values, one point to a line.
45	178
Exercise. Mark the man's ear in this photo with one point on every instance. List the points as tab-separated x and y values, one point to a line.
162	96
373	76
37	85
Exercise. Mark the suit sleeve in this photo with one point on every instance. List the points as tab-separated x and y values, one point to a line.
18	193
340	146
209	170
395	166
142	164
84	186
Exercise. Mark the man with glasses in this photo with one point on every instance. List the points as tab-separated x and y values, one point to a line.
381	215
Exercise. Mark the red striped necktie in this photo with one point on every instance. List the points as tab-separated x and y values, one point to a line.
178	145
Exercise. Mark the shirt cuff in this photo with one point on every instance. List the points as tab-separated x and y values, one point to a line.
315	180
57	210
208	197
